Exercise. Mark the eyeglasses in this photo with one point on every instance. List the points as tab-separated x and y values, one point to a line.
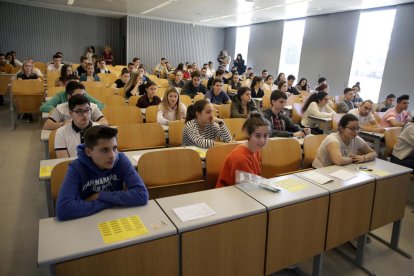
354	128
80	112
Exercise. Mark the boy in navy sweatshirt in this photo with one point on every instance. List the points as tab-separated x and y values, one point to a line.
95	181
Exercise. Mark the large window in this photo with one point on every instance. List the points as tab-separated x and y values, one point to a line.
291	47
370	52
242	42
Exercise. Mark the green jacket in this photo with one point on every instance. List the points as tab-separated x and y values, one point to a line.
61	98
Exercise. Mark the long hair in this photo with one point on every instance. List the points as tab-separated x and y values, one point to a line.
315	97
164	106
198	106
132	80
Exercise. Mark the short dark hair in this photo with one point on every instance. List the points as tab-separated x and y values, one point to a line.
241	91
321	79
82	58
56	56
216	80
2	55
72	86
403	98
254	121
277	94
135	59
346	90
77	100
264	71
130	64
195	74
389	96
93	134
291	77
343	122
219	71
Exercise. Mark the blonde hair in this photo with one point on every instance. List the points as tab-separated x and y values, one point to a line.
133	80
164	105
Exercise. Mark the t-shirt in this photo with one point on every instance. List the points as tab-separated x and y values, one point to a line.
242	159
393	114
363	120
322	157
61	113
221	98
69	137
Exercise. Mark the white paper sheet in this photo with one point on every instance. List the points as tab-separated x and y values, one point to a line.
136	157
343	174
194	211
317	177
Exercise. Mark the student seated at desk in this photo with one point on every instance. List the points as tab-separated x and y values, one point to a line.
60	115
346	104
90	74
243	104
150	97
68	137
344	146
397	116
403	152
62	97
386	104
246	157
202	128
234	84
95	181
281	125
194	86
316	105
217	96
367	121
256	87
170	108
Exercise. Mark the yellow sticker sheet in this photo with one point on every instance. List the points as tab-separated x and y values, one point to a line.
291	185
122	229
45	171
200	151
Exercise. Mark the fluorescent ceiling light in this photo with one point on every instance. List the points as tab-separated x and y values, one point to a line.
159	6
70	2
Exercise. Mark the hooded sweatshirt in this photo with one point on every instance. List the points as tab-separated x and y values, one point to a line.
84	179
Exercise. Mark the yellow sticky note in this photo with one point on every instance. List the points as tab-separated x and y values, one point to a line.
377	172
291	185
201	152
45	171
122	229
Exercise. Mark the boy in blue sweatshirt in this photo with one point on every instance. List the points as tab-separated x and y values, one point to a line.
95	181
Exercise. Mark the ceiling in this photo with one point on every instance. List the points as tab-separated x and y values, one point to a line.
216	13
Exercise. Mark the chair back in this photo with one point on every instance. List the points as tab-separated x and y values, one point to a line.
204	82
5	83
114	100
160	92
118	115
294	99
140	136
246	83
121	92
100	93
185	99
28	95
335	121
133	100
52	91
224	111
164	176
52	77
391	136
163	83
297	112
56	179
198	98
108	79
153	78
51	144
281	156
175	133
151	114
40	65
235	125
378	116
215	158
93	85
311	145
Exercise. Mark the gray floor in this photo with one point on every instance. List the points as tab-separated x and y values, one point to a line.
23	203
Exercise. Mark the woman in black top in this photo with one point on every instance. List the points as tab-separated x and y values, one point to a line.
256	87
239	63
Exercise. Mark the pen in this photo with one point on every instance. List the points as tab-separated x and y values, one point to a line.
269	188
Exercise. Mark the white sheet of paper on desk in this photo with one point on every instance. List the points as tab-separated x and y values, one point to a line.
136	157
343	174
317	177
194	211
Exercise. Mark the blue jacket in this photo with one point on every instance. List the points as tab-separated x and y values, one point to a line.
84	179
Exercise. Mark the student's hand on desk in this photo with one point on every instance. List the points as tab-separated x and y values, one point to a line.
93	197
357	158
299	134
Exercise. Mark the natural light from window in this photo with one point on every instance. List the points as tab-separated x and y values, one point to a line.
242	42
370	52
291	47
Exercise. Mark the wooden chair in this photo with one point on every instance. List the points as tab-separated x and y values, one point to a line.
56	179
163	83
225	87
204	82
5	83
281	156
108	79
40	65
153	78
28	95
171	172
160	92
175	133
93	85
151	114
100	93
114	100
215	157
121	92
120	67
52	91
246	83
198	98
267	92
266	102
51	144
235	127
224	111
133	100
185	99
297	113
311	145
140	136
293	99
391	136
118	115
51	78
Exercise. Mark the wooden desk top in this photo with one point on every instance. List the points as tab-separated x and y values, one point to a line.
391	169
66	240
305	190
320	119
229	203
338	184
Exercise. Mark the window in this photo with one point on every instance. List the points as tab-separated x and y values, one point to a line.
242	42
370	52
291	47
